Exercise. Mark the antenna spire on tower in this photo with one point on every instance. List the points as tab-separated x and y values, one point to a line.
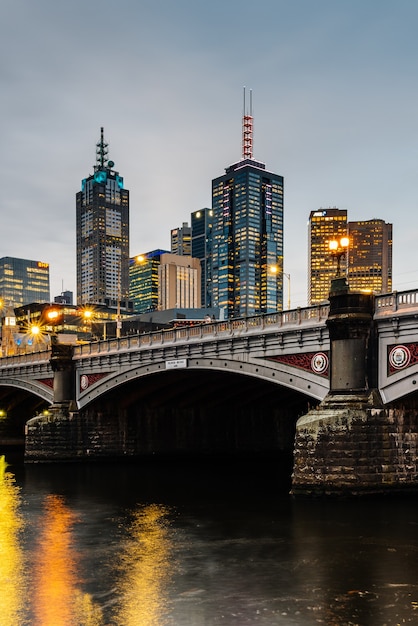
101	151
247	129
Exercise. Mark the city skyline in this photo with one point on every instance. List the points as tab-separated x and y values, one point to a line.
334	113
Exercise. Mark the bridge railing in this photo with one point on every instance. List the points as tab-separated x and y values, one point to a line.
25	359
397	301
240	326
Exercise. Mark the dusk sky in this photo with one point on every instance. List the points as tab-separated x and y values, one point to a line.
335	104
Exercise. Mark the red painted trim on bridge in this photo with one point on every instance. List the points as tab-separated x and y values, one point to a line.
49	382
316	362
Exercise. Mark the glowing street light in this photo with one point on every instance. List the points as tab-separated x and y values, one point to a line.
338	248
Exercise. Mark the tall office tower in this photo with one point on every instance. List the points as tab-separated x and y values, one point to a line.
23	281
324	225
247	234
181	240
143	280
179	282
370	256
201	223
102	234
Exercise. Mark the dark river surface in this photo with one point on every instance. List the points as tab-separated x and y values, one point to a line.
198	543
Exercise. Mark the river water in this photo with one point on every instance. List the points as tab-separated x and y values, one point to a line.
202	543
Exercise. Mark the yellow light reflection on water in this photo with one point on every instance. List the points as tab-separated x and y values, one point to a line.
11	558
56	595
146	570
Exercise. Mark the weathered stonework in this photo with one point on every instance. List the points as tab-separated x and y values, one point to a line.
54	435
350	446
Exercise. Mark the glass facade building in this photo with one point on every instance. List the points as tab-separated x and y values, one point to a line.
102	208
201	222
324	225
143	280
247	240
23	281
181	240
370	256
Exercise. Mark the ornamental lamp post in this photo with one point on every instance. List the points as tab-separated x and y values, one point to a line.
338	249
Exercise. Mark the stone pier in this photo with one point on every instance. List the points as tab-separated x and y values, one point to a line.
351	444
55	434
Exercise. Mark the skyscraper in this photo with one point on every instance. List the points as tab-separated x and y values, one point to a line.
247	234
181	240
102	208
144	281
179	282
201	224
324	225
23	281
370	256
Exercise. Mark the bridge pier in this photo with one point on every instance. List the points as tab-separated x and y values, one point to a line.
351	443
55	434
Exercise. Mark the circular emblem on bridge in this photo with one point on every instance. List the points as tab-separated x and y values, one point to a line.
399	357
319	363
84	382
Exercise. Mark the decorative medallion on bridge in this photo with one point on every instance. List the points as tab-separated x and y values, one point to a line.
402	356
317	362
86	380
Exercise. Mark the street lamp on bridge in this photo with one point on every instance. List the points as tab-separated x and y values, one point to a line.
338	249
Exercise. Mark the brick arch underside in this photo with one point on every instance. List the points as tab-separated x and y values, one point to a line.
195	411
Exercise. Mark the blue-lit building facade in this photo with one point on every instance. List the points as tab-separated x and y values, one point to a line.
23	281
102	208
201	234
247	240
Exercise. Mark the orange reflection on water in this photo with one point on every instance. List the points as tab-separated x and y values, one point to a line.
55	574
11	558
57	599
146	570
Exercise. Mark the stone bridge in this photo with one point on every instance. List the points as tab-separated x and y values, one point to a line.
290	349
300	352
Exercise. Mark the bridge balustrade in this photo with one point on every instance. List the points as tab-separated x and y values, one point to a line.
23	359
218	329
403	301
233	327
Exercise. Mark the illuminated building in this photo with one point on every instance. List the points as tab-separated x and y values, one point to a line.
181	239
324	225
247	235
143	280
179	282
202	249
102	208
23	281
370	256
67	323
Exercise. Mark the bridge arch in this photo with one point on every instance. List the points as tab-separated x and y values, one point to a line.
310	385
193	411
32	386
